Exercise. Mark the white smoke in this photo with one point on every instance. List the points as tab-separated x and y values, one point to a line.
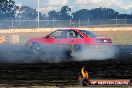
96	54
22	54
54	53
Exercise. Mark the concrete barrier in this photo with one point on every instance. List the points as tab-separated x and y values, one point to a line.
13	39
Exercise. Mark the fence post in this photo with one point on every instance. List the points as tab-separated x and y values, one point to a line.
36	24
12	24
79	23
88	22
125	20
70	22
116	20
53	23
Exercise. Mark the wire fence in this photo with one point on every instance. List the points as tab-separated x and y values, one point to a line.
28	24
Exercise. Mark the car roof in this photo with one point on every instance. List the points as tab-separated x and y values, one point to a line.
69	29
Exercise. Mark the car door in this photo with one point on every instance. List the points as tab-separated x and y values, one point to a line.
55	40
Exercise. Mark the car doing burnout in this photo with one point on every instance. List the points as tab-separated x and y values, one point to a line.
66	41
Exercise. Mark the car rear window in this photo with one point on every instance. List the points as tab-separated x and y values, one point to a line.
88	33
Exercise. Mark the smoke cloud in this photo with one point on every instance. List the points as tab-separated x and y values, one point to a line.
91	53
16	54
22	54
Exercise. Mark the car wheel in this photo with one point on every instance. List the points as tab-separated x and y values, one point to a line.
77	48
36	48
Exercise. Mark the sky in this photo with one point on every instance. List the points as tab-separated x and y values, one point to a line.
122	6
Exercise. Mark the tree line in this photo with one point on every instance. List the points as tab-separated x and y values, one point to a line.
9	10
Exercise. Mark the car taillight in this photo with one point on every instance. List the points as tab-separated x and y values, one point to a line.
103	41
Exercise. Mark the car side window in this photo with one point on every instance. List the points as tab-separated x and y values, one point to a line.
77	35
74	34
58	34
70	34
88	33
64	34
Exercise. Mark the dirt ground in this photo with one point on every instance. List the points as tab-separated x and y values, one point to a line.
62	74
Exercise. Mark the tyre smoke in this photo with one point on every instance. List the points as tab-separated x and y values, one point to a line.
91	53
22	54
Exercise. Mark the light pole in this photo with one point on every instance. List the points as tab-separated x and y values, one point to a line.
18	13
38	13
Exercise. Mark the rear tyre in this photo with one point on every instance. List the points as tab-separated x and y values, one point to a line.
36	48
76	50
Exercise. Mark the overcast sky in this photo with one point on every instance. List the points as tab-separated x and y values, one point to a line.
122	6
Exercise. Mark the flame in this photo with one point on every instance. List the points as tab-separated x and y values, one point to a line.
84	73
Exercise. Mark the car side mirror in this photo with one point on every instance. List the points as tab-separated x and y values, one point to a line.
47	36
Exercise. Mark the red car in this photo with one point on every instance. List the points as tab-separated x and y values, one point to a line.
67	41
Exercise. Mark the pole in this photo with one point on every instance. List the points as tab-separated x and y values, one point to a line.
53	23
12	24
79	22
88	22
70	22
125	20
38	14
116	20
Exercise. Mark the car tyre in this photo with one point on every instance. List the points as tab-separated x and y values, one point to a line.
75	50
36	48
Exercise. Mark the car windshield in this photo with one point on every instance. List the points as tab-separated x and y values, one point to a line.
88	33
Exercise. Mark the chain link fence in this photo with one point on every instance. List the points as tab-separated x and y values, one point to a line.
118	37
30	24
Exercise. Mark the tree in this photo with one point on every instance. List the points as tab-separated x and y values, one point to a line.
53	15
64	13
7	9
42	16
83	14
96	13
27	13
